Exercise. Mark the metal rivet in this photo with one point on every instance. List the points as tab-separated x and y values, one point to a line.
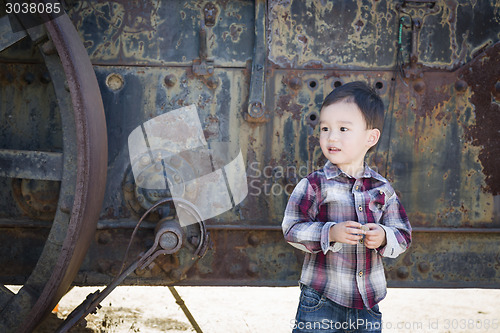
212	82
424	267
461	85
114	81
253	269
403	272
419	86
253	240
170	80
29	78
294	83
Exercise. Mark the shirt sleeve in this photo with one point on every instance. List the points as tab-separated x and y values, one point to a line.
300	227
397	228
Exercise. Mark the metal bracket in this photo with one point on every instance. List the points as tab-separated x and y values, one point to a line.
203	66
257	94
416	10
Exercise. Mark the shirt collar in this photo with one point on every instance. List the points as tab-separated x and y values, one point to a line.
333	171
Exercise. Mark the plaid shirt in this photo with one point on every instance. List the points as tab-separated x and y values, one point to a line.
350	275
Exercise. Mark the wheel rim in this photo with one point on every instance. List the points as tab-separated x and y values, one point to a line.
82	185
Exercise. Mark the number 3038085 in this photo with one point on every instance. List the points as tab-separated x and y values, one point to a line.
32	8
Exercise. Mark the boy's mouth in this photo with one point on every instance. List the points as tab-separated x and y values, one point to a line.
333	149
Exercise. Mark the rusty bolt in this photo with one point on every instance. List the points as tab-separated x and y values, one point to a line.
170	80
419	87
212	82
29	78
253	269
294	83
424	267
461	85
253	240
256	109
403	272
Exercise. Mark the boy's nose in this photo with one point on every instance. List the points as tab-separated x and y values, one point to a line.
333	136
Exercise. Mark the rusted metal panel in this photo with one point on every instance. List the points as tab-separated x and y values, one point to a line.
439	145
165	32
362	34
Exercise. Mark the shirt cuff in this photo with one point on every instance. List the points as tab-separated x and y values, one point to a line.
325	239
392	249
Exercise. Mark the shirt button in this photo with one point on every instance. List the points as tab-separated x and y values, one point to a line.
361	241
357	188
360	208
360	273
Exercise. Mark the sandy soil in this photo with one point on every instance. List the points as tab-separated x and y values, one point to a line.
262	309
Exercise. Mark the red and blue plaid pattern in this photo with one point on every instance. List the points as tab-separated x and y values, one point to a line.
350	275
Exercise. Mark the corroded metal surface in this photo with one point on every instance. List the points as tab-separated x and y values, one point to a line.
435	65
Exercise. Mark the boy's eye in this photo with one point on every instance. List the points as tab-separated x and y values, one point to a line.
324	129
343	129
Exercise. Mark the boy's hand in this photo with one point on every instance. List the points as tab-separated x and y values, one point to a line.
375	237
348	232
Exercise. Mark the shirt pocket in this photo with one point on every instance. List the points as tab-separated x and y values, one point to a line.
377	204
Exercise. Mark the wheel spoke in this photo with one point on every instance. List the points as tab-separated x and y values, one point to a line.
31	164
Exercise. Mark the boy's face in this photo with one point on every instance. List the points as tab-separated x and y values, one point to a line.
344	138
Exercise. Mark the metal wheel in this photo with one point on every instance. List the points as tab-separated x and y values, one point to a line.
81	169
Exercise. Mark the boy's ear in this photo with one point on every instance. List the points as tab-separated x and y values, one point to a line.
373	137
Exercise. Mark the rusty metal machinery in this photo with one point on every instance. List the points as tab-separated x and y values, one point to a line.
257	72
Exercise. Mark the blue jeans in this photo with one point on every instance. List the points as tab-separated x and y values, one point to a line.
316	313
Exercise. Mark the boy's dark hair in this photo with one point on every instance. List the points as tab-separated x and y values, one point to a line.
365	97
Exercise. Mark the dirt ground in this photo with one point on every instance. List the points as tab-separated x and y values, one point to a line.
263	309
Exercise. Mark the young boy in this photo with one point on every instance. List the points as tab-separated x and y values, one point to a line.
346	217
